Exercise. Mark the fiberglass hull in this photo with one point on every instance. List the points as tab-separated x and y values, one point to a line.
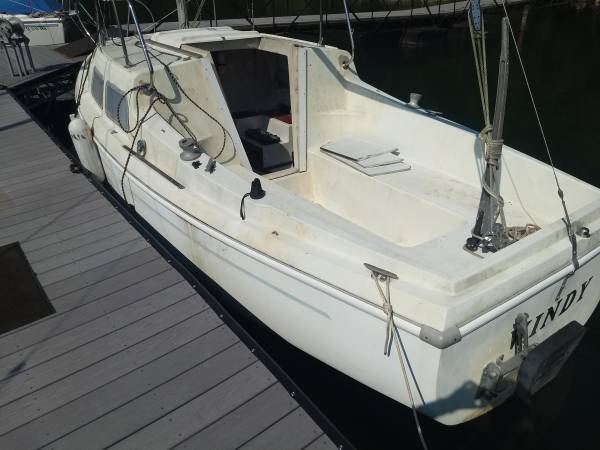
347	332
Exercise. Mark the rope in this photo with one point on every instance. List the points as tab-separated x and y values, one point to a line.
493	147
243	206
174	79
158	97
560	192
137	127
390	332
87	64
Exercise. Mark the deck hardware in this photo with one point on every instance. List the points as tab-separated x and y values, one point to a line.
196	164
489	381
256	193
256	190
392	336
415	98
141	148
75	168
211	165
584	232
190	149
520	335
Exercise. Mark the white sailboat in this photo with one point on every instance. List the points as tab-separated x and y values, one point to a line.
44	22
337	214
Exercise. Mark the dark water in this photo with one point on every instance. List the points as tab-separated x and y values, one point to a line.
561	50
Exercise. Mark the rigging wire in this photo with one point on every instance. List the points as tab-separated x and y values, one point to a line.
138	127
87	64
567	218
197	17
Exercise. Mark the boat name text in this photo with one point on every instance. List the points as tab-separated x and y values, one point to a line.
553	311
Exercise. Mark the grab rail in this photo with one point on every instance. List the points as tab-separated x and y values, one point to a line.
123	46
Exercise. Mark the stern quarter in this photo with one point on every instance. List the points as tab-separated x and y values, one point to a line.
573	297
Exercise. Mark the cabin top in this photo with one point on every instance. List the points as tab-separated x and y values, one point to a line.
178	38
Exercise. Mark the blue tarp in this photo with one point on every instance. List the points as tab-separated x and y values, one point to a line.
29	6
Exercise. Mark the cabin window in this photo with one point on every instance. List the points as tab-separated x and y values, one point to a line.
98	87
119	115
256	85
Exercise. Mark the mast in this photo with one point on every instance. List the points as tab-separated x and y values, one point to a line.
487	232
182	16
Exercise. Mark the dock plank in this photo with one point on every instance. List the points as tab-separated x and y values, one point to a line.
31	379
149	277
87	311
243	423
205	406
59	344
48	425
293	432
105	372
321	443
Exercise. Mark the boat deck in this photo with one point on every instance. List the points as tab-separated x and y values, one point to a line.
133	357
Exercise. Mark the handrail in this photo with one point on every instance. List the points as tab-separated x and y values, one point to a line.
123	46
346	64
142	42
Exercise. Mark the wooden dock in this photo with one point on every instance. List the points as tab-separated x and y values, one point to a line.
134	356
433	11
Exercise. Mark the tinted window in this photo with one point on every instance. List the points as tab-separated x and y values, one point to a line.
113	97
98	87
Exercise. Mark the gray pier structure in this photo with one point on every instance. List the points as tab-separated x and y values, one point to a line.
134	356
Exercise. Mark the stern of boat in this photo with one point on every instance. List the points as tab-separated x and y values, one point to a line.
520	351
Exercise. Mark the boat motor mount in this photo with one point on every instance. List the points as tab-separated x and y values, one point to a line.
532	367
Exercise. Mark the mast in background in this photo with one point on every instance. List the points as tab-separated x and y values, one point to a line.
182	16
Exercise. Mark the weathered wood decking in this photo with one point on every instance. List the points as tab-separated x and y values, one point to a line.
133	356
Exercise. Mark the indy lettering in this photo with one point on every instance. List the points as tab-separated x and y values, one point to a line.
560	306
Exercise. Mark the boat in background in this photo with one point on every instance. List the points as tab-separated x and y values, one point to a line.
46	22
